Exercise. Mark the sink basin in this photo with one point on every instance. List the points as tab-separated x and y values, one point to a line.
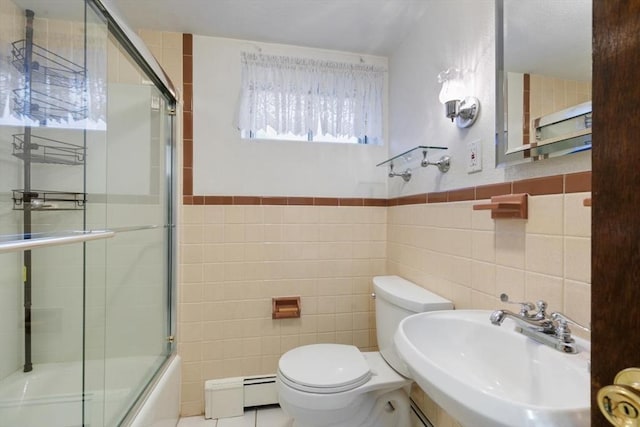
487	376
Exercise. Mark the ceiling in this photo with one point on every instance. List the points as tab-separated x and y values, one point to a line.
551	37
369	27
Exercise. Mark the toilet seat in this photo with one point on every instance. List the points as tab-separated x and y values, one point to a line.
324	368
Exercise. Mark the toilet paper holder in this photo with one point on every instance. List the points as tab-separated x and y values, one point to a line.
285	307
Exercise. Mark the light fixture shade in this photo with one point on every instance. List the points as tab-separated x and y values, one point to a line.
453	88
459	107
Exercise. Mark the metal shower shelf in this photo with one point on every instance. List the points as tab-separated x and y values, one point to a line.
51	89
47	150
43	106
48	67
40	200
54	87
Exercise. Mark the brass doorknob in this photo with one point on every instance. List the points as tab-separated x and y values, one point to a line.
620	402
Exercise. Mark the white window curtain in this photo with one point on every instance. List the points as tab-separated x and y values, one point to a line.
299	95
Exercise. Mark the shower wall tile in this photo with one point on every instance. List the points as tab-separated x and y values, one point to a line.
172	41
10	328
166	47
151	38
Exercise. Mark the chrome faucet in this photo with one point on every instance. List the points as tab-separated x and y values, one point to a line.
545	326
526	307
552	330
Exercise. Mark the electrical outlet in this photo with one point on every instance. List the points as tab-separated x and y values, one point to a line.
474	156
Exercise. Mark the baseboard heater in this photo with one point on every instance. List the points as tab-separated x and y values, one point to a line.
228	397
260	391
419	415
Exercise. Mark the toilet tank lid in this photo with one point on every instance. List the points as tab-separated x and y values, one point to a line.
408	295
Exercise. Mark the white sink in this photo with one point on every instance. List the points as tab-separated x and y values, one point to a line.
488	376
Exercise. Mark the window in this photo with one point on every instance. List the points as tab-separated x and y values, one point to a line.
310	100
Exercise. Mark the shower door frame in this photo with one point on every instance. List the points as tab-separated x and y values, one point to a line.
141	55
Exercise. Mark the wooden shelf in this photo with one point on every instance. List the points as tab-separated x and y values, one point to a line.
506	206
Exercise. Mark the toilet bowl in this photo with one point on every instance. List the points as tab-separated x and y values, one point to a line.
336	385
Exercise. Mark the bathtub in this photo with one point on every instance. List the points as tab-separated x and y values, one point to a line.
51	395
161	406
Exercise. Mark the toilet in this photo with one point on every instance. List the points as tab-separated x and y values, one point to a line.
336	385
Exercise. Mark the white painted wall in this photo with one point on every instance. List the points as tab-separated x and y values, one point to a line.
458	33
225	164
451	34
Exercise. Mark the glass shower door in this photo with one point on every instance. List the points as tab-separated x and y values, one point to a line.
51	97
134	309
85	219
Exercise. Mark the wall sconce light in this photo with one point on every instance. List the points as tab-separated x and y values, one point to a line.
463	109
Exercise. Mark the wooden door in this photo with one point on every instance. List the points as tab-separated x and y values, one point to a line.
615	303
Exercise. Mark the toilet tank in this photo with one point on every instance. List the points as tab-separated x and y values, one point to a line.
397	298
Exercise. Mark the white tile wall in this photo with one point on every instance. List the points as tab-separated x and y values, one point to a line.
532	258
328	256
236	258
545	257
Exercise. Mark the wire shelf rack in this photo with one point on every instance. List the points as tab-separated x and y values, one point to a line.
47	150
44	200
54	88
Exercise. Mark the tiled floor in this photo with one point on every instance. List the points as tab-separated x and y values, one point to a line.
271	416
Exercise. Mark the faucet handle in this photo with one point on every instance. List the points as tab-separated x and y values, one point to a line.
562	331
524	306
564	320
542	310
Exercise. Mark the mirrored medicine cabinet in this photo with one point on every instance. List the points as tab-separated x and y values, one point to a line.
543	79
